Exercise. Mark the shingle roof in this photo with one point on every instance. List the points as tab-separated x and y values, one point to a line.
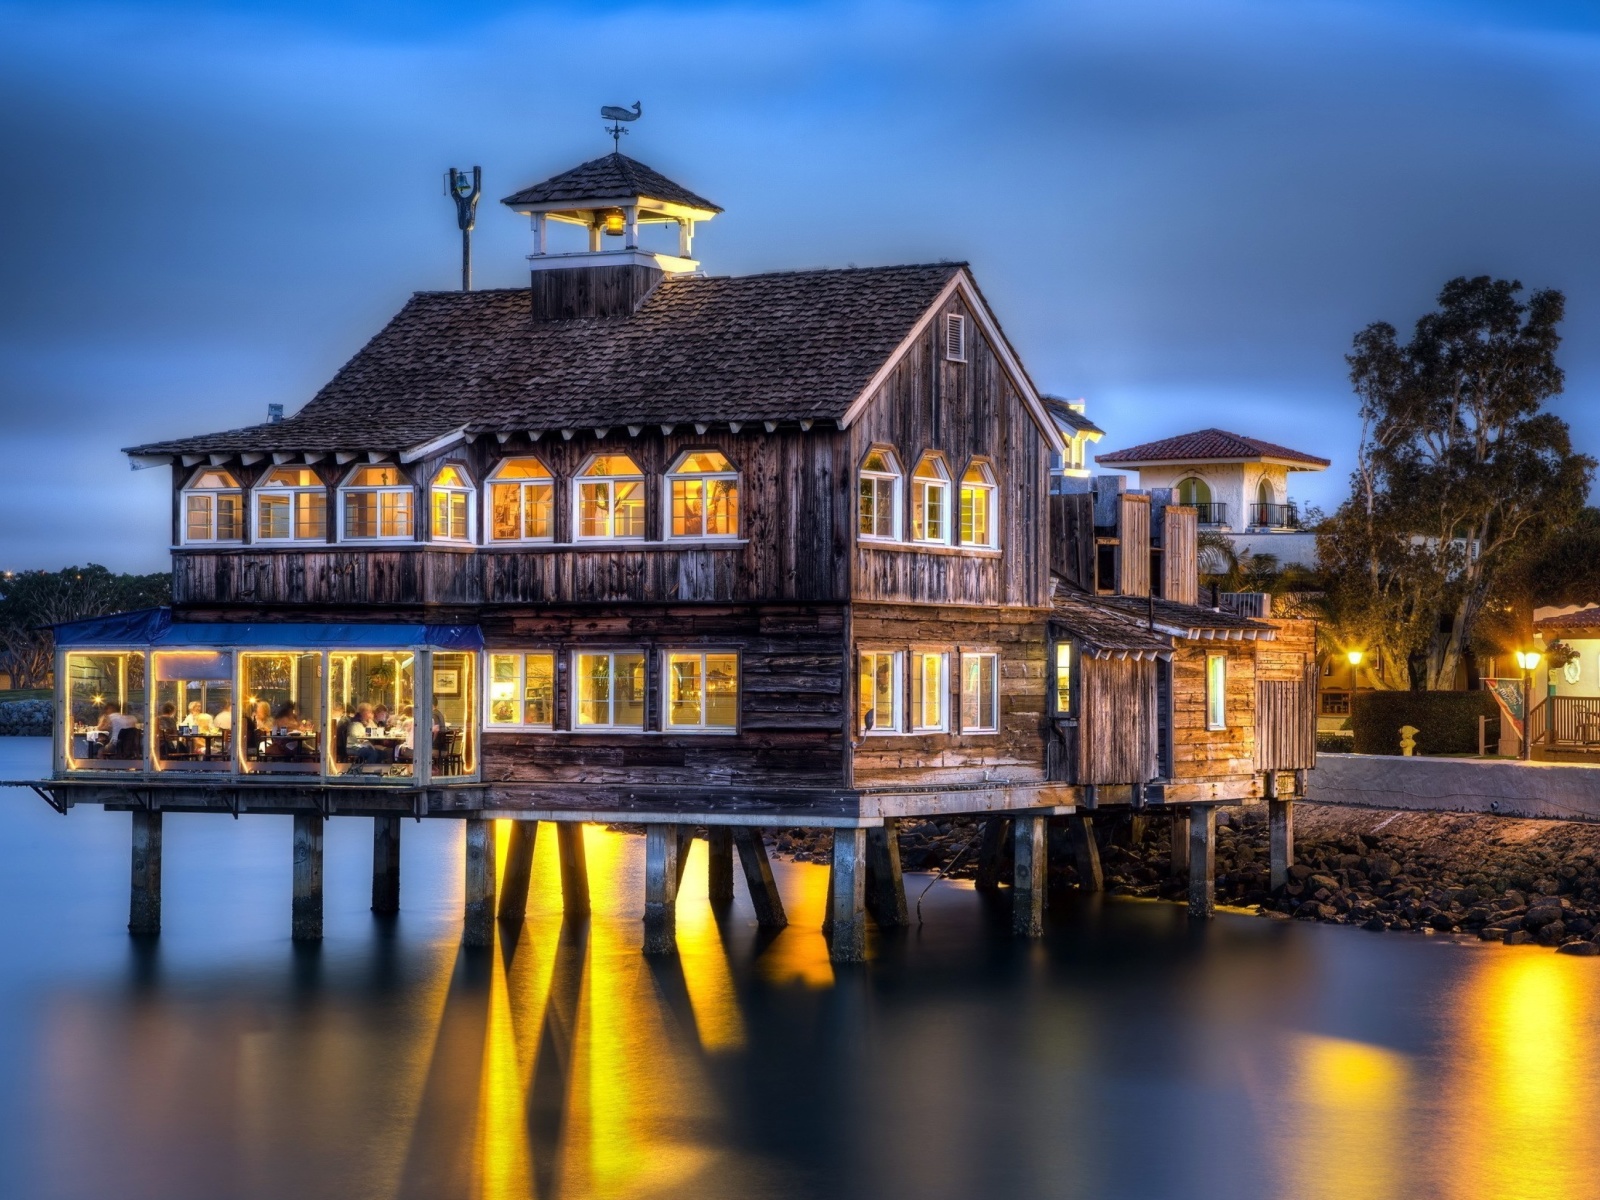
1101	630
791	346
1207	445
1189	620
609	177
1585	619
1068	417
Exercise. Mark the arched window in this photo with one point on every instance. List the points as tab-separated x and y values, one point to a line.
213	508
703	496
1194	491
521	499
291	506
450	500
1264	494
377	505
930	501
879	510
978	506
611	498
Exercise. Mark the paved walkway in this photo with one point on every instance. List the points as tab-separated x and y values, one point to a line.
1563	791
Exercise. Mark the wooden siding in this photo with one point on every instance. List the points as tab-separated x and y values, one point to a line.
1133	533
1180	561
1014	754
1286	697
1117	724
1199	753
962	411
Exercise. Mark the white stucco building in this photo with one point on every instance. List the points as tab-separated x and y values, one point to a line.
1239	484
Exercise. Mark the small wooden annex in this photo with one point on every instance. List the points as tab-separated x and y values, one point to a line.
693	551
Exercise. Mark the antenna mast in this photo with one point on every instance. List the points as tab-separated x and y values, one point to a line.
465	194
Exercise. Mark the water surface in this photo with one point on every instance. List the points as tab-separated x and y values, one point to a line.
1130	1054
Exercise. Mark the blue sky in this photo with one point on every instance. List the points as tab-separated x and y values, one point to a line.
1181	209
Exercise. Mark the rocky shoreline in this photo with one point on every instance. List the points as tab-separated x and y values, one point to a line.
1505	879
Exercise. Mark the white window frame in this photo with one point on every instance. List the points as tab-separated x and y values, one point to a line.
577	723
519	685
895	478
467	489
522	485
706	478
897	691
668	725
955	337
991	488
347	489
293	492
978	726
919	691
1216	691
211	495
920	485
583	479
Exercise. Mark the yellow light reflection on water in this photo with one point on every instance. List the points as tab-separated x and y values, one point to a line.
1350	1128
799	954
704	961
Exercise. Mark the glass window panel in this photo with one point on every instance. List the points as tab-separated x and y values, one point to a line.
539	690
198	518
450	477
537	504
629	691
505	503
272	517
977	501
685	689
629	517
396	513
594	510
722	508
1063	677
877	461
311	516
230	517
928	689
280	723
688	510
703	462
879	686
611	690
194	711
613	464
594	689
522	468
722	691
372	714
980	708
376	477
294	477
454	702
360	514
214	480
505	687
105	711
1216	692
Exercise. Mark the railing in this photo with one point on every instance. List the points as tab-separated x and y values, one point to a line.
1212	513
1336	704
1274	516
1567	721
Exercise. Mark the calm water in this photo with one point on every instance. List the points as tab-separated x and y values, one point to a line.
1129	1055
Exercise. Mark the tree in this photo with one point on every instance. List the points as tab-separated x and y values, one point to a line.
31	601
1461	474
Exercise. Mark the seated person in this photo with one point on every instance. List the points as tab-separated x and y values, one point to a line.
122	732
406	750
287	730
381	716
260	726
223	721
363	723
197	719
167	732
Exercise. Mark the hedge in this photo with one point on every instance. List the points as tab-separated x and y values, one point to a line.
25	718
1447	722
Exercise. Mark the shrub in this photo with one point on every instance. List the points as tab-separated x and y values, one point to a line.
1334	742
1447	722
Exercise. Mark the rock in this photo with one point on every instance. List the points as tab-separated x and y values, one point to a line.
1490	934
1443	922
1537	918
1518	937
1552	934
1374	924
1582	949
1300	872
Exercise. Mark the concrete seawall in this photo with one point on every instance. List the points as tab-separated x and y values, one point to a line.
1559	791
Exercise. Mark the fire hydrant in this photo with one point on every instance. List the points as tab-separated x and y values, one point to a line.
1408	739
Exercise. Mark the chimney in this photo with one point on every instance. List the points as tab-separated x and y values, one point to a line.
274	413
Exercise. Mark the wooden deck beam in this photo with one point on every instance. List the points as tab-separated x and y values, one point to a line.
1030	876
758	878
306	909
661	852
385	866
478	918
847	897
144	900
518	871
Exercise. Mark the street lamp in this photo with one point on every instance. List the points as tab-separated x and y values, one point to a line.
1528	660
1355	657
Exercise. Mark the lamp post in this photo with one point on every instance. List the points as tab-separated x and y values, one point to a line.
1528	660
1355	657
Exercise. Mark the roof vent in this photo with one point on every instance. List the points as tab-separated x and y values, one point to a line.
274	413
955	337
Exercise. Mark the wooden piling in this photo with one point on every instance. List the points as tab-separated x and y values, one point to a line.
1030	876
886	888
1086	852
574	869
518	871
1280	838
306	922
1202	860
661	889
758	878
991	854
385	866
144	900
1179	866
719	864
847	897
478	921
685	844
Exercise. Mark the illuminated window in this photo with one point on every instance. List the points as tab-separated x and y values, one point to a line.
450	499
611	498
703	493
880	497
194	711
521	499
878	697
522	690
930	685
1194	491
1063	677
1216	691
213	508
610	689
279	727
980	693
977	506
377	504
291	506
930	502
702	691
105	711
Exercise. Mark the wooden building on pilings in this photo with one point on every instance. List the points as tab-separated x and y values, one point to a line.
638	543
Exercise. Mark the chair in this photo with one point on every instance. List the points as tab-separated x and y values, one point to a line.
452	757
129	744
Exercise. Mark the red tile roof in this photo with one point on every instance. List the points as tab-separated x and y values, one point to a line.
1585	619
1207	445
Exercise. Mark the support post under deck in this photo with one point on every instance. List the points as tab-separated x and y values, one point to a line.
719	864
306	910
1179	866
574	869
518	872
1030	876
661	849
1202	860
758	878
1280	836
991	852
478	921
886	888
847	897
144	900
385	866
1086	852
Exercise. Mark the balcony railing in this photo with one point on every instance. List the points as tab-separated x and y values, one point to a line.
1212	513
1274	516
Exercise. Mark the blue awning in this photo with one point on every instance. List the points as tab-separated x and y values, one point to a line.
155	628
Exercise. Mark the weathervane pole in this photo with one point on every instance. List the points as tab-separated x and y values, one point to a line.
466	197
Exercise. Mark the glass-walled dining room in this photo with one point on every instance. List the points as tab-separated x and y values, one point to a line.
142	693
